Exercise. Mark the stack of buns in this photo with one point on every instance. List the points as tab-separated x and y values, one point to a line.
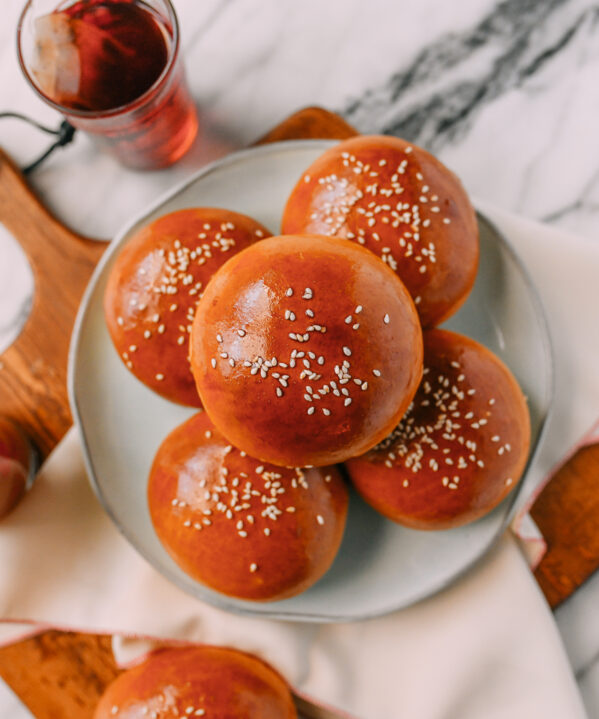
314	349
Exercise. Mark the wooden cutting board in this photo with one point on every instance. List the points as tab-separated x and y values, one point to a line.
60	675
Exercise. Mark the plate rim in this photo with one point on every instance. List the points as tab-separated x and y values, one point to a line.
231	604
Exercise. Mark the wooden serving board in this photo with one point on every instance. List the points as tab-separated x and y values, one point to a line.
61	675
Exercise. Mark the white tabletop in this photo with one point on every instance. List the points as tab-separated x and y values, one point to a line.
504	92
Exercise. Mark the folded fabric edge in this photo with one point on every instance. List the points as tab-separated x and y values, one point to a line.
527	534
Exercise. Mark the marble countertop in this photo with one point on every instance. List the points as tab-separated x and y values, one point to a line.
505	92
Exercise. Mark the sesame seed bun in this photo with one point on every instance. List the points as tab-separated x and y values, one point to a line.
461	447
402	204
204	681
306	350
242	527
154	287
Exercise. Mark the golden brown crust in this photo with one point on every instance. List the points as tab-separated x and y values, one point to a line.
461	447
400	202
238	525
306	350
204	681
155	284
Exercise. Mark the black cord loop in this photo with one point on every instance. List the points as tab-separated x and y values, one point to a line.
64	134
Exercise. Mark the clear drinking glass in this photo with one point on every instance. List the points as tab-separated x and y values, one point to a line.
113	69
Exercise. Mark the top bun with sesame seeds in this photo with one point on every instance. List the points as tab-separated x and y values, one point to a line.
400	202
202	681
154	287
240	526
461	446
306	350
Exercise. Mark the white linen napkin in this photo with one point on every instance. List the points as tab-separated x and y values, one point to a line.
485	648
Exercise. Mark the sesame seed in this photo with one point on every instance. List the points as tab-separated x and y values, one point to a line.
347	351
376	372
160	377
311	410
289	292
358	309
386	319
253	567
320	519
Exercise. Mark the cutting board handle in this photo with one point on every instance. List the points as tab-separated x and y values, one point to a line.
33	368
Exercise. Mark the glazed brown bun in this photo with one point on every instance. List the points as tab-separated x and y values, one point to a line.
461	447
403	204
240	526
154	287
306	350
209	682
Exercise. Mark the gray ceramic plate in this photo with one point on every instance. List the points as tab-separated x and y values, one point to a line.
381	566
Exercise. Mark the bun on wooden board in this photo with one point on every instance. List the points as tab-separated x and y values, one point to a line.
204	681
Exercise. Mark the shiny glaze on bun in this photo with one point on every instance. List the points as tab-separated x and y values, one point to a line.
461	447
242	527
402	204
306	350
154	287
204	681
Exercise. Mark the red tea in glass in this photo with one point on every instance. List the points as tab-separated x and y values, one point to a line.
112	68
